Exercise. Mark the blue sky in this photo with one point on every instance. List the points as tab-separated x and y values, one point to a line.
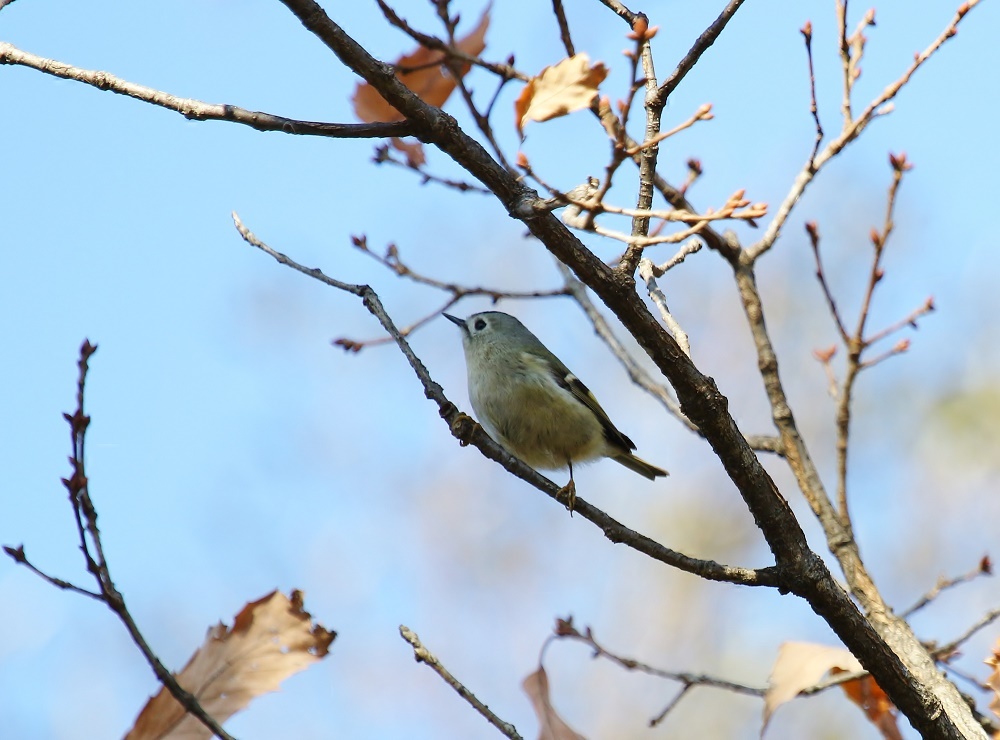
234	451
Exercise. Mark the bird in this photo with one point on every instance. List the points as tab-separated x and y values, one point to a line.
530	402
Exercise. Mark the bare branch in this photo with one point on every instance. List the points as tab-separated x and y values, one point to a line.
197	110
468	432
423	655
17	555
566	630
505	71
383	155
394	262
813	231
985	621
851	131
92	548
983	568
624	13
701	45
560	13
688	248
813	106
647	273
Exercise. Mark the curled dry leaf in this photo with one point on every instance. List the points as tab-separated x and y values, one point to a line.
550	725
994	680
270	640
801	665
560	89
423	72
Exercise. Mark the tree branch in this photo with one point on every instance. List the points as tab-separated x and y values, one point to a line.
700	46
92	548
423	655
904	671
850	132
197	110
468	432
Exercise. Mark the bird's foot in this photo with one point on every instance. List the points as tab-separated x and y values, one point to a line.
568	492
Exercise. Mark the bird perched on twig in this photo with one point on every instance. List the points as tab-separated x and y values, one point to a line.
530	402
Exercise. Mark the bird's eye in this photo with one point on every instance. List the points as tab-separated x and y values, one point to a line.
480	324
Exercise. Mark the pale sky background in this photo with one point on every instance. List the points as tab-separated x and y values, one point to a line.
234	451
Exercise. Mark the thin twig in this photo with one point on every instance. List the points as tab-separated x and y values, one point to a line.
565	629
17	555
624	13
813	231
647	154
92	548
197	110
432	42
687	249
983	568
855	343
985	621
423	655
394	262
703	42
383	155
647	273
813	106
851	131
673	703
908	321
560	13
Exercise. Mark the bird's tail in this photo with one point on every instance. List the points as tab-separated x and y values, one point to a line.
640	466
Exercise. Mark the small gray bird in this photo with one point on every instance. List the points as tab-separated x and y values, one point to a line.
530	402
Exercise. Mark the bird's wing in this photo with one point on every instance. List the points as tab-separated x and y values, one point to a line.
582	393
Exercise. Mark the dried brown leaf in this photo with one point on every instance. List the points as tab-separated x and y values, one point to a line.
423	72
876	705
271	639
551	725
800	665
994	680
558	90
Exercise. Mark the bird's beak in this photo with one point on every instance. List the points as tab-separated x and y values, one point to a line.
455	320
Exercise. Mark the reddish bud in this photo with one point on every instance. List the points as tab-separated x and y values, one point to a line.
902	345
694	165
985	565
929	305
522	160
825	355
641	30
807	30
565	628
870	17
879	274
875	237
899	162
